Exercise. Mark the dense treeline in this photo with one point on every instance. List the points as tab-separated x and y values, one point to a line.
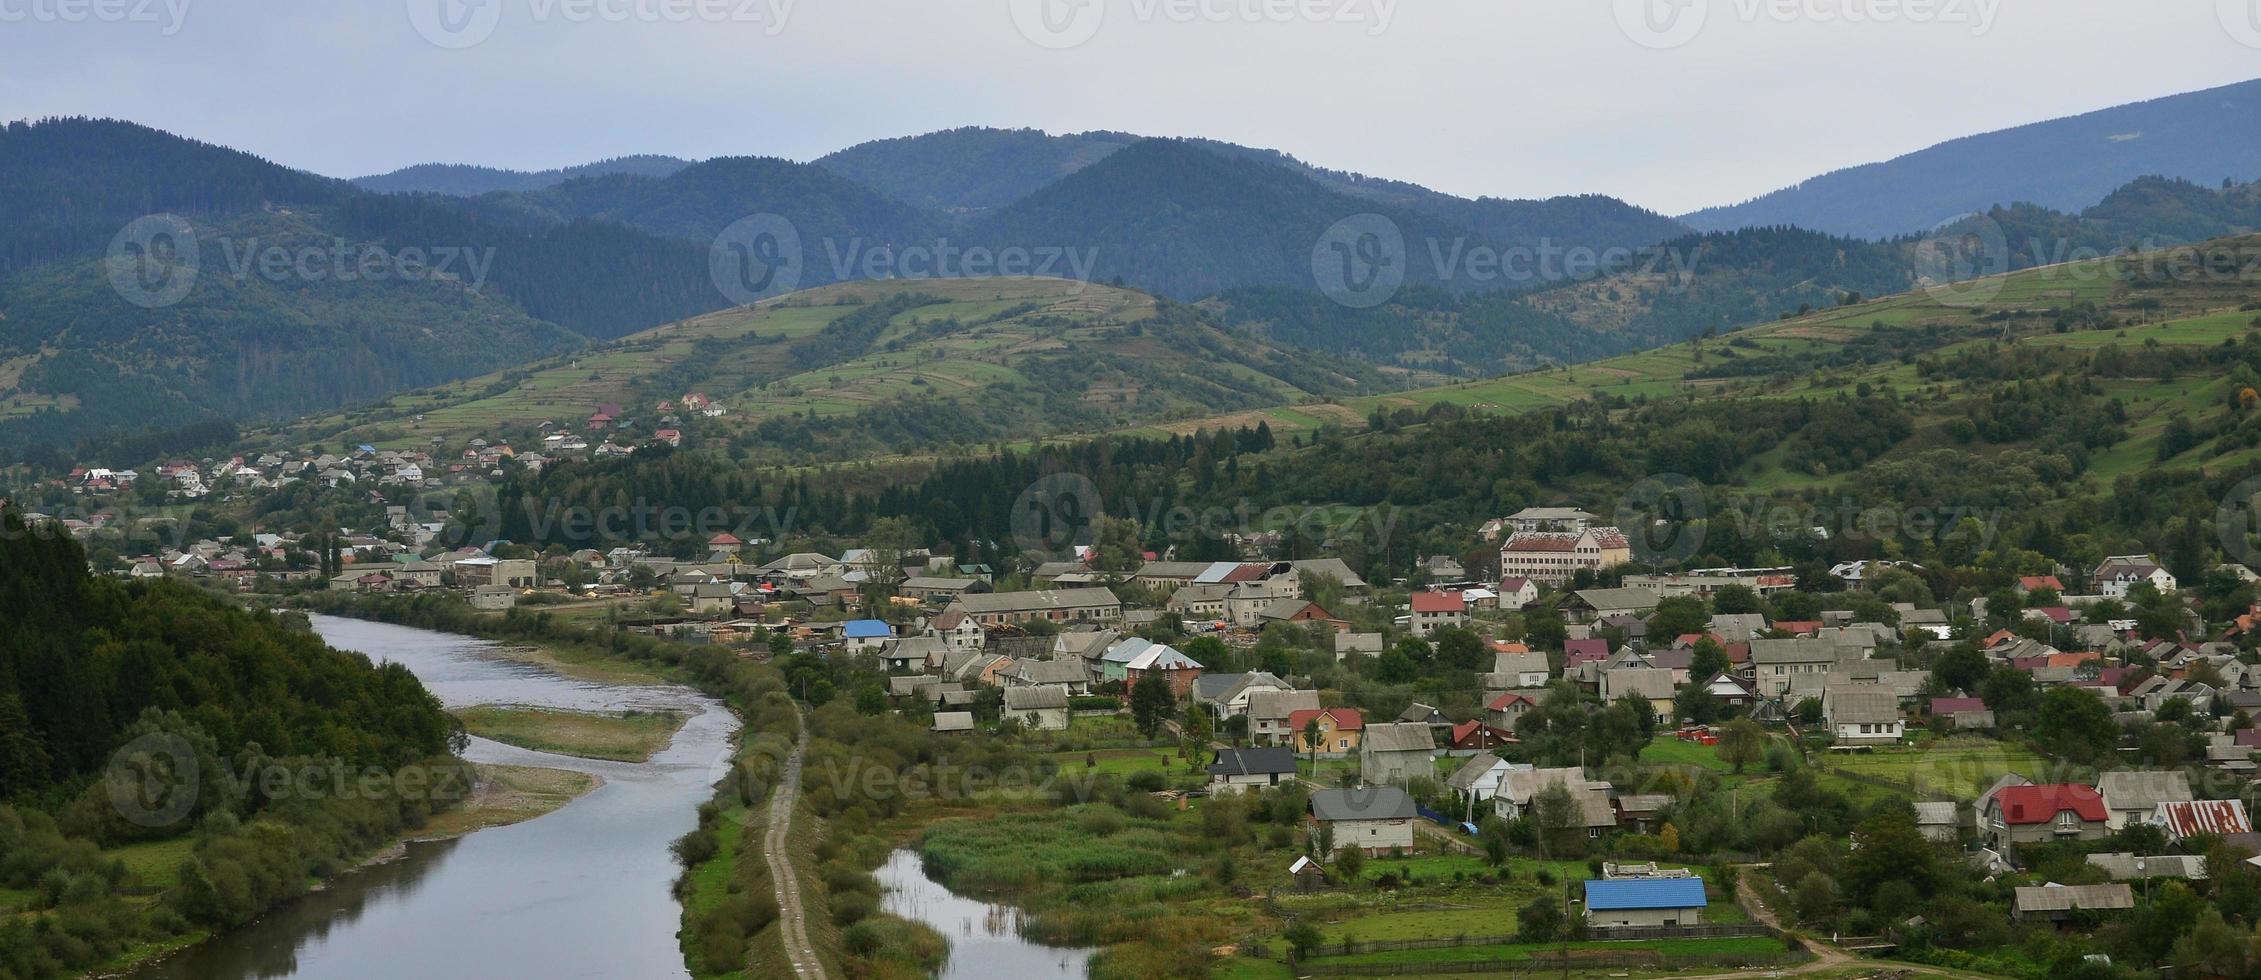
148	711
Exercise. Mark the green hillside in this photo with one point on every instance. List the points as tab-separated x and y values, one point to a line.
888	366
2141	332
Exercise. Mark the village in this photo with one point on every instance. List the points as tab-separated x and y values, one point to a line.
1564	707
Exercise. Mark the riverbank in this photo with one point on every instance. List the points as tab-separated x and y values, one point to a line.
506	795
622	736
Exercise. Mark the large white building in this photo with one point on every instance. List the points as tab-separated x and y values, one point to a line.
1552	558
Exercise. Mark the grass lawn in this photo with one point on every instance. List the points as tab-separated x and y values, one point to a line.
633	736
156	864
1667	750
1959	767
12	899
1125	762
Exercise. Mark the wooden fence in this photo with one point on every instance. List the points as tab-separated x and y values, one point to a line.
1550	965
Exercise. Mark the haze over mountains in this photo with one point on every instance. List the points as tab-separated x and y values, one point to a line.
562	259
2065	164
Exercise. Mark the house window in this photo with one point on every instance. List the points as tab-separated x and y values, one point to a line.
2068	822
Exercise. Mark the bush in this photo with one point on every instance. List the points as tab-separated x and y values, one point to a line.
853	907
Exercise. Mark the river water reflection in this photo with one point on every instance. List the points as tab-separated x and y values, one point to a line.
581	892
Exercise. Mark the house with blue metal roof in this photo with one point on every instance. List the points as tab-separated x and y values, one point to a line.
1617	902
866	634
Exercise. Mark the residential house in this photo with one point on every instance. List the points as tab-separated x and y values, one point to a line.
1433	611
2132	796
1069	675
2114	576
1369	644
1523	670
1043	707
1862	714
2052	903
1640	812
1939	820
865	635
1519	794
2042	813
1775	662
1340	730
1226	695
1165	663
953	723
1516	592
1238	770
2128	866
1269	714
1651	684
1396	753
1619	903
913	654
1478	780
1376	820
1594	605
2185	819
959	630
1509	707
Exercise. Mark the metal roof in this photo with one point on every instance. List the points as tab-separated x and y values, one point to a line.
1617	894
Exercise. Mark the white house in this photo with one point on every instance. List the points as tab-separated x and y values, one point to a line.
1238	770
1043	707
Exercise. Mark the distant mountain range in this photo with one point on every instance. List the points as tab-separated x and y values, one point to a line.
586	255
465	180
2063	164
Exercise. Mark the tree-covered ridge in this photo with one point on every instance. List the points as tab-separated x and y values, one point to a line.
83	659
467	180
699	201
72	183
970	169
2063	164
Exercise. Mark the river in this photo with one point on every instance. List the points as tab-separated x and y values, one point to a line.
985	939
581	892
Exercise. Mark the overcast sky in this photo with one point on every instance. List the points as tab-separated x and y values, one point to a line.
1688	104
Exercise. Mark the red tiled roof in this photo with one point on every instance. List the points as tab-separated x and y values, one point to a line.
1346	719
1505	701
1580	651
1956	706
1542	542
1513	583
2041	804
2040	582
1797	627
1439	602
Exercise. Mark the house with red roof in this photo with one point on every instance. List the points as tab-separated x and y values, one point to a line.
1433	611
1476	735
1339	730
2184	819
2044	813
2028	583
1504	711
1798	627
